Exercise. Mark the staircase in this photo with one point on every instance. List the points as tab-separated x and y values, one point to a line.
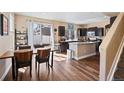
119	73
111	48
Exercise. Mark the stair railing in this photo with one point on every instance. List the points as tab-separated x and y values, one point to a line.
110	48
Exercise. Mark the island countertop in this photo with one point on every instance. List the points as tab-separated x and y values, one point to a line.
85	42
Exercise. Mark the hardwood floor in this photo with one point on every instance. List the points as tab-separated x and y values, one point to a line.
82	70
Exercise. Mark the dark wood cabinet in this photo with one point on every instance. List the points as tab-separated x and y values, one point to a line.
107	27
64	46
61	30
83	31
97	46
112	19
99	31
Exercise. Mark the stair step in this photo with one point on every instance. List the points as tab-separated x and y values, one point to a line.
116	79
122	57
122	54
121	60
121	65
119	75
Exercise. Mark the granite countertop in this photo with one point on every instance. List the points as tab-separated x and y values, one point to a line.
85	42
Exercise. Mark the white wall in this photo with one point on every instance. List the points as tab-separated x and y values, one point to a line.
6	43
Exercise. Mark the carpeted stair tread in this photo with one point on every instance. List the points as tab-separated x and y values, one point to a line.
121	65
122	56
119	75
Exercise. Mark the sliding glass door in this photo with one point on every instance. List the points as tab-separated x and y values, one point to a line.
46	34
37	34
42	34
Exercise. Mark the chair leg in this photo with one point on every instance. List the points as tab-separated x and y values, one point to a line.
30	71
46	64
36	65
16	73
38	68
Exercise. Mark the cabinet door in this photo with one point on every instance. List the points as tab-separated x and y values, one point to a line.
61	30
112	19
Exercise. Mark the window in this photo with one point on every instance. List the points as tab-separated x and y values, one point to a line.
91	33
45	34
41	33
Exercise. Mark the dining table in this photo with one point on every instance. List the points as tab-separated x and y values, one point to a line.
10	54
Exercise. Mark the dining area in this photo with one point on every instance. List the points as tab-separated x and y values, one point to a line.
24	57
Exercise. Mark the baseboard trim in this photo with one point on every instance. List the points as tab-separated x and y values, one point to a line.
6	72
82	57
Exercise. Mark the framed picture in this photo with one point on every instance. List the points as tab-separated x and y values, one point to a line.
3	25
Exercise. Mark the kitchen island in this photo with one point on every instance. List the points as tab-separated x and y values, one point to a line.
83	49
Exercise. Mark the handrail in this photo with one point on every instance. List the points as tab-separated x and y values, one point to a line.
110	45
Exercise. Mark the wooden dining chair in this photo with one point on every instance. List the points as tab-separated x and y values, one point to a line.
23	59
42	57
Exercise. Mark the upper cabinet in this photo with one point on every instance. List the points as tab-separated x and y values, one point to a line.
107	27
82	31
112	19
61	30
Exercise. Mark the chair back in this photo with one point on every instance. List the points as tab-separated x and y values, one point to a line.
25	56
24	47
43	53
38	46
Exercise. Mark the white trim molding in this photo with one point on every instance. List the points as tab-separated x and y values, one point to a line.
82	57
6	72
102	74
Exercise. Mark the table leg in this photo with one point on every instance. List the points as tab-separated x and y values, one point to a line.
52	60
13	70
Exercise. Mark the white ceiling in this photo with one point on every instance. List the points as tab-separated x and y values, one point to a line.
71	17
